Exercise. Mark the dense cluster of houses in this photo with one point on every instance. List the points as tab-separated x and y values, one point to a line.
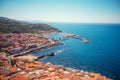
15	43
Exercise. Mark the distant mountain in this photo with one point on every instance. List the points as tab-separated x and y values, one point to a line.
14	26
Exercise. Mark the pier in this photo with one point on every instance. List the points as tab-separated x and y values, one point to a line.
68	35
49	54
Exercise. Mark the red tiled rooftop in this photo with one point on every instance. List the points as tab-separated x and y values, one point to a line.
18	78
12	69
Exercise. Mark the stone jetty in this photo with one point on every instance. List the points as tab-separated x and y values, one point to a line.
68	35
49	54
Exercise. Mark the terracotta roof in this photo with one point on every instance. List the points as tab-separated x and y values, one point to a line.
12	69
18	78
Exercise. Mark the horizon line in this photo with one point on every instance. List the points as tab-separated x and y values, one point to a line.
39	21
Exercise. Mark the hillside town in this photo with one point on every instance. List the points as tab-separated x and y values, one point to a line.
17	64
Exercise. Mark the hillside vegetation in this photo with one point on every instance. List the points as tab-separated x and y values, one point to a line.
14	26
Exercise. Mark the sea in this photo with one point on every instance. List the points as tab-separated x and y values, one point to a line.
100	55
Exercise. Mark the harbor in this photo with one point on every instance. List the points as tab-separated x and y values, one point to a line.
66	36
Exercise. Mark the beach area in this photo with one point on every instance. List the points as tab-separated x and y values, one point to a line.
17	64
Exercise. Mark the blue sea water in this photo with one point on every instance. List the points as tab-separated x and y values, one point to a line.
101	55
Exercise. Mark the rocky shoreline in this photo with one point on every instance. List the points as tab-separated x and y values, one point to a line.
21	66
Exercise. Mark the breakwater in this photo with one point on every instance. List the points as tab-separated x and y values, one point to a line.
49	54
66	36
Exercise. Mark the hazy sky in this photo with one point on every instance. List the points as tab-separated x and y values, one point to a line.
90	11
